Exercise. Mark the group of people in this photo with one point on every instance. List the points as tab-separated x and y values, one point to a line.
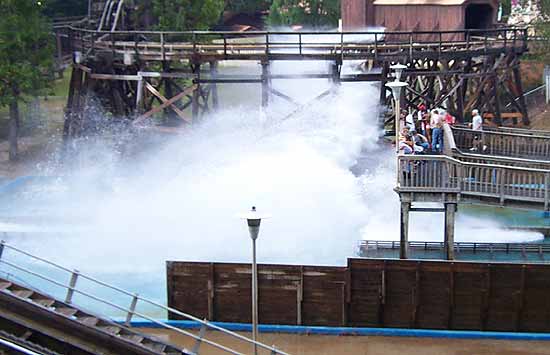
422	131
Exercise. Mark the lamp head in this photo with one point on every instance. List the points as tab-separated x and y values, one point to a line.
253	220
398	70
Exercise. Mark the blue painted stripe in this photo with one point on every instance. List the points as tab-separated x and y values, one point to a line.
397	332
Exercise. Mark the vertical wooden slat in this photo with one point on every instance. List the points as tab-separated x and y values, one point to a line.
520	300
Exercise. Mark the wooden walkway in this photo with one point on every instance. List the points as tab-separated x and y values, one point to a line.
510	168
210	45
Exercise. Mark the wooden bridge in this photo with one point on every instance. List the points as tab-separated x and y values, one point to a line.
136	75
511	170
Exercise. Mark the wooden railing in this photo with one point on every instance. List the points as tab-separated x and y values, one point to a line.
499	143
443	174
152	45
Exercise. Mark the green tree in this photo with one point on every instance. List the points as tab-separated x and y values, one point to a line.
178	15
247	6
64	8
26	56
310	13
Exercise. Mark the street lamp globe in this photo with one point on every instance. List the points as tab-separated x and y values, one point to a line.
398	68
396	87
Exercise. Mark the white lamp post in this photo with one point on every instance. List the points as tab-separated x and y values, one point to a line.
253	220
398	70
396	87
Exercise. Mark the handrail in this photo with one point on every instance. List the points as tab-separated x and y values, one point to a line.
442	174
130	311
18	348
517	144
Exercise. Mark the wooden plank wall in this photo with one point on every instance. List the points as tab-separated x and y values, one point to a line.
369	293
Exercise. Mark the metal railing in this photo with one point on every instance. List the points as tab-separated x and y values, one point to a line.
499	143
156	45
440	174
131	310
470	247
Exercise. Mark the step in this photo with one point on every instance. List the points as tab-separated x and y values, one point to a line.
22	293
157	347
132	337
89	321
45	302
111	329
66	311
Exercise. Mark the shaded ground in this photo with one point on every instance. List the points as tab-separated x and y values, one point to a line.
368	345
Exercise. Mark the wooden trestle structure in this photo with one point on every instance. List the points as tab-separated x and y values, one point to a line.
134	75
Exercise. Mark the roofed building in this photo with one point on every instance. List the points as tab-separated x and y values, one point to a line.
419	15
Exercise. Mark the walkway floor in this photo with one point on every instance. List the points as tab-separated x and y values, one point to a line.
370	345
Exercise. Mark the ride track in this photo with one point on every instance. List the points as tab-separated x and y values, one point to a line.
136	74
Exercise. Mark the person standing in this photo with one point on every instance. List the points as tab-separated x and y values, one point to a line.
436	124
477	126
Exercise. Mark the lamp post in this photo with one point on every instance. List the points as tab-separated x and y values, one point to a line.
396	87
253	220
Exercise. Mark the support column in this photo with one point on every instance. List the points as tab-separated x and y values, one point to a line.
404	237
450	210
195	107
266	83
498	117
335	73
519	89
214	86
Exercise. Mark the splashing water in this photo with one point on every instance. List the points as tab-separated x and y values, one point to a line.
181	202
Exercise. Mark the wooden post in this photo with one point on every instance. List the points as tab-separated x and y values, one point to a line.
404	238
498	118
519	89
335	72
450	209
265	83
196	95
214	86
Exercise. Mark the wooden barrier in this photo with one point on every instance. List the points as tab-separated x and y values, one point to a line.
370	293
499	143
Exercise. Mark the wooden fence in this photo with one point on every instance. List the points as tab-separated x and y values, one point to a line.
500	143
442	174
370	293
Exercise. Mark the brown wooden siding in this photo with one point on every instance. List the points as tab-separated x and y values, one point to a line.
419	17
370	293
354	14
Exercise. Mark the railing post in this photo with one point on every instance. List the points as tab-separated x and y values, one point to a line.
197	345
300	43
2	243
267	44
132	309
546	192
72	285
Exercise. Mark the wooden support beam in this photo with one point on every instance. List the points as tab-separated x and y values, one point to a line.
450	210
164	100
166	104
265	83
283	96
519	88
214	87
195	106
404	237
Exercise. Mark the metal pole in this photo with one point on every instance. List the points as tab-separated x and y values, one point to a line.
254	297
396	123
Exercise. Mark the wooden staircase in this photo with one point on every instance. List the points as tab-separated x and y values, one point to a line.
37	318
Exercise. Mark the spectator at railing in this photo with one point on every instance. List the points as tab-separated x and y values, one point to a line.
477	125
421	143
436	124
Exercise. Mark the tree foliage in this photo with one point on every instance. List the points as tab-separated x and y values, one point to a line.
178	15
248	6
26	55
64	8
309	13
